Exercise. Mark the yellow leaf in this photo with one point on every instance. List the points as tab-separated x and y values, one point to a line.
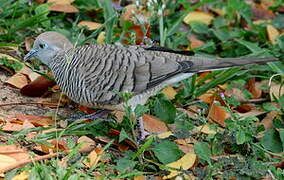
205	129
91	25
22	176
60	1
272	33
170	92
165	135
198	16
6	161
101	38
186	162
9	57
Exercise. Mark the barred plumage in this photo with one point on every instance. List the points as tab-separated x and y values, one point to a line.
90	74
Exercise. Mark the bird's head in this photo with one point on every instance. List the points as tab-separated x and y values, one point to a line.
47	45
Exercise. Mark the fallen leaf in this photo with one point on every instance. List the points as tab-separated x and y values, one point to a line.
206	129
101	38
272	33
24	175
6	161
37	121
165	135
129	13
153	124
66	8
267	122
37	87
198	16
18	80
186	162
259	12
276	90
141	177
14	152
60	1
170	92
235	92
195	42
218	114
93	157
252	113
87	144
91	25
253	89
29	43
186	148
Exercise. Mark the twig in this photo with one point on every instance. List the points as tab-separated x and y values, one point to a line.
25	103
23	163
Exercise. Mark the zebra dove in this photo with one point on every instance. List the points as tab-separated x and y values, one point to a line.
90	74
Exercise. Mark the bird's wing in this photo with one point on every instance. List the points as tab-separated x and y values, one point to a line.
109	68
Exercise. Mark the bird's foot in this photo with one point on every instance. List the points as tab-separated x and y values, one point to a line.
142	132
94	116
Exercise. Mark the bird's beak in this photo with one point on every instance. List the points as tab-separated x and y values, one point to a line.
31	54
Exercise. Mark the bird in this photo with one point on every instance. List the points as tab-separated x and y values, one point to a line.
92	74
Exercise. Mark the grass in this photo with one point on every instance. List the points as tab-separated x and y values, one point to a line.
235	151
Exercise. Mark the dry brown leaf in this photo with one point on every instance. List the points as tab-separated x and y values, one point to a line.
198	16
207	97
218	114
170	92
60	1
87	144
42	121
141	177
276	90
153	124
252	113
267	122
6	161
186	162
14	152
29	43
195	42
165	135
186	148
206	129
272	33
130	11
37	87
18	80
66	8
90	24
93	158
235	92
253	89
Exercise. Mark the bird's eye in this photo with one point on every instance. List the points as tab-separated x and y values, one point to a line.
41	46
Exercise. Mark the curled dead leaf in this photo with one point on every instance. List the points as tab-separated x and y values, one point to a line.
218	114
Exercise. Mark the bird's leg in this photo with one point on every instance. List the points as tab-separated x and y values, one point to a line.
94	116
141	130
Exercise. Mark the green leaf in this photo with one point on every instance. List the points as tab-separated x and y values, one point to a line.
278	21
167	152
242	137
270	107
124	165
253	47
271	141
165	110
199	27
123	135
281	133
202	151
140	110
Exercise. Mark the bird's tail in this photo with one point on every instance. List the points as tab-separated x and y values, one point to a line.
201	64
